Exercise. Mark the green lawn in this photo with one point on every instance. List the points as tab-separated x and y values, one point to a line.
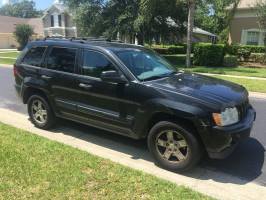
251	85
7	61
9	54
32	167
239	71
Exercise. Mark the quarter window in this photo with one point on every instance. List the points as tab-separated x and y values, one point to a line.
95	63
62	59
34	56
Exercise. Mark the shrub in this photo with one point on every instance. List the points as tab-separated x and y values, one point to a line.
258	58
234	48
209	54
170	50
162	51
176	50
176	59
23	32
243	54
230	61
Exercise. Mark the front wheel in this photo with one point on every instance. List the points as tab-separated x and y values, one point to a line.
40	112
174	146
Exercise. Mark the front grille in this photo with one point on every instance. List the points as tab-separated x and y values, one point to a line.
242	109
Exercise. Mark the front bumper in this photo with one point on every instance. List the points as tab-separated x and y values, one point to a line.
221	141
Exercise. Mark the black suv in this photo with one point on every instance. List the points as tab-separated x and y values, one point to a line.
132	91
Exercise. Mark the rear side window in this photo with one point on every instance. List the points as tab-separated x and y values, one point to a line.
34	56
62	59
95	63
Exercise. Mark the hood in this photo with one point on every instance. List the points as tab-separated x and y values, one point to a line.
204	88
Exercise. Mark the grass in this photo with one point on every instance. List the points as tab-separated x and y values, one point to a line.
238	71
32	167
9	54
7	61
250	84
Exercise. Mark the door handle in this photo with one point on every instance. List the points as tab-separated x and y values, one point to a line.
85	86
46	77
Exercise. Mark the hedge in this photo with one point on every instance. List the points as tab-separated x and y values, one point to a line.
170	50
230	61
258	58
234	49
207	54
176	59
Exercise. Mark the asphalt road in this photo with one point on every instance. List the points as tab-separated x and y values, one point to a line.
247	162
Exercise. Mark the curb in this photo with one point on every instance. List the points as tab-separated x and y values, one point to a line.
216	184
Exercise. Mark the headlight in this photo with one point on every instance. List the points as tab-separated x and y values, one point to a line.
228	117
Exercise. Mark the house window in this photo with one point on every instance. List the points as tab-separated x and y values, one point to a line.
56	20
52	21
253	38
59	20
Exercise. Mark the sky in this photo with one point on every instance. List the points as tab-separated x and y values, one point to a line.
40	4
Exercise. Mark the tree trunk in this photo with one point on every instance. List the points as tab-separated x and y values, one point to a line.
190	26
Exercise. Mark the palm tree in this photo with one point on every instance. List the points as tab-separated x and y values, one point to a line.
190	26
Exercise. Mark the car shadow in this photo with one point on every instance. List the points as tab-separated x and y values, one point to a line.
246	162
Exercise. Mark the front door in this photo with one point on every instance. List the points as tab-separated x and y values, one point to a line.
106	105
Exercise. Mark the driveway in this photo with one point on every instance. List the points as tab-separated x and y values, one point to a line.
246	163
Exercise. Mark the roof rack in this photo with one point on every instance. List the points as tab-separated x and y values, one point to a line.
81	39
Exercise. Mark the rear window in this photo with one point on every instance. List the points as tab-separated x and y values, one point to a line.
62	59
34	56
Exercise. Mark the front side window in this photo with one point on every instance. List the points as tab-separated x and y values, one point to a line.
34	56
95	63
62	59
145	64
253	38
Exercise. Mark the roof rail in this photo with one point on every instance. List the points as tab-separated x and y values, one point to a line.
81	39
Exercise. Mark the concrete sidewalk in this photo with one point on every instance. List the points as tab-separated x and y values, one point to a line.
234	76
215	184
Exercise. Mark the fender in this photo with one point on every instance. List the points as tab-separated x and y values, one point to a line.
151	108
30	83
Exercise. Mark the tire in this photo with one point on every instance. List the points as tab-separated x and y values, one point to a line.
49	121
183	141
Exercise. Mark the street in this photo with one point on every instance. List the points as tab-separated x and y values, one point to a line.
247	162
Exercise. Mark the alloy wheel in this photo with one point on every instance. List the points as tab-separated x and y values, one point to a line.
172	146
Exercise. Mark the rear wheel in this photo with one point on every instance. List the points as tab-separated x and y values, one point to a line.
174	146
40	112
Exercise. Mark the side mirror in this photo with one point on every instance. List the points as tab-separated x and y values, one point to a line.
113	77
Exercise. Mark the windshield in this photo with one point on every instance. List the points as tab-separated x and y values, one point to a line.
145	64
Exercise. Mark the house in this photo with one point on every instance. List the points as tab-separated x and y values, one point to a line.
244	27
58	21
199	35
7	27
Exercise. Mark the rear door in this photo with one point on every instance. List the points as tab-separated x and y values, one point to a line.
60	77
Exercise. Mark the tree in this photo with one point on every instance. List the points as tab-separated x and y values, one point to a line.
261	13
215	15
190	26
23	32
24	9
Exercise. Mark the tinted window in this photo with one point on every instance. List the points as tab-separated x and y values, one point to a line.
34	56
62	59
95	63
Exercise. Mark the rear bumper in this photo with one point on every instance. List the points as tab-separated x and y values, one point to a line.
223	140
